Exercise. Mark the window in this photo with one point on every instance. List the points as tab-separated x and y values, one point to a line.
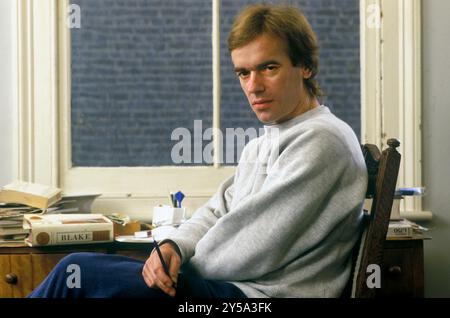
390	85
139	69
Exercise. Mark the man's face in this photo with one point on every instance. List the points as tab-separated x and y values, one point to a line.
274	88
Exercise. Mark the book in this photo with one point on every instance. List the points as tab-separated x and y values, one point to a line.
13	231
399	230
30	194
12	243
13	240
404	228
414	191
65	229
74	203
11	223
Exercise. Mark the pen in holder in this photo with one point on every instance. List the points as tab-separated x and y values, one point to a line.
168	215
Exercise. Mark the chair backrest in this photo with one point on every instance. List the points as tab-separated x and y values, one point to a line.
383	170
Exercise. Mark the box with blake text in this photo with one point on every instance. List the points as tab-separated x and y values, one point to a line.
66	229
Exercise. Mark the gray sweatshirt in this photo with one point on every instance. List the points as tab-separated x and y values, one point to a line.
285	223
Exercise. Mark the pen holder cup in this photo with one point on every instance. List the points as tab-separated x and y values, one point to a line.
167	215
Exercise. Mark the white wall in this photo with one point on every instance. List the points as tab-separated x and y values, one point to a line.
7	109
436	143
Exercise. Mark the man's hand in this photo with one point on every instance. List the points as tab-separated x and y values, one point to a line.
153	271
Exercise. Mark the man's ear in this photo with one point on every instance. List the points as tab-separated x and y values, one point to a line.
306	73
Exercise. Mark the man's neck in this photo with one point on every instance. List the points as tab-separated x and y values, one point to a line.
308	104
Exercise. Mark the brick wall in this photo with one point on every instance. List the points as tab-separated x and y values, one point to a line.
336	23
142	68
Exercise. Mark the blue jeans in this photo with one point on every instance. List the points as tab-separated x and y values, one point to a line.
107	276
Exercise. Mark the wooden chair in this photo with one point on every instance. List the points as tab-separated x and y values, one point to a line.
383	170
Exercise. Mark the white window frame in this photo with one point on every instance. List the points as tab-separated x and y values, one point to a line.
43	138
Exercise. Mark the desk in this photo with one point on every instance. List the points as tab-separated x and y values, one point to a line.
23	268
402	271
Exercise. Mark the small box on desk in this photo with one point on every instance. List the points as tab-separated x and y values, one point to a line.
127	229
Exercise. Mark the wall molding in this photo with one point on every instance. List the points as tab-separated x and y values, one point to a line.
37	141
391	87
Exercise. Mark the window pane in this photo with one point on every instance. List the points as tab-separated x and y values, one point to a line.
140	69
336	23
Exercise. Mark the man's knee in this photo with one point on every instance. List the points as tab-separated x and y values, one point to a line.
77	259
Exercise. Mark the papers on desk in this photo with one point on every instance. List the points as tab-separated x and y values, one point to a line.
74	203
159	233
133	239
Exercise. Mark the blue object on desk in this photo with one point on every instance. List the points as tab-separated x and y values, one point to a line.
179	196
410	191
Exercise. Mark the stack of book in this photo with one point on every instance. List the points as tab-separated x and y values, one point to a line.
20	198
17	199
12	232
402	228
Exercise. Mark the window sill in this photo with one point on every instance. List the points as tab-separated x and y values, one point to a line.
417	216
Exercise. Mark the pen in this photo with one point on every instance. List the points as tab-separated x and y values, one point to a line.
166	269
179	196
172	200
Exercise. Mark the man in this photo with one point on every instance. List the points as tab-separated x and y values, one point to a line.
284	225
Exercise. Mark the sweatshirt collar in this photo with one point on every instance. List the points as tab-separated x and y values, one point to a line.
278	128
